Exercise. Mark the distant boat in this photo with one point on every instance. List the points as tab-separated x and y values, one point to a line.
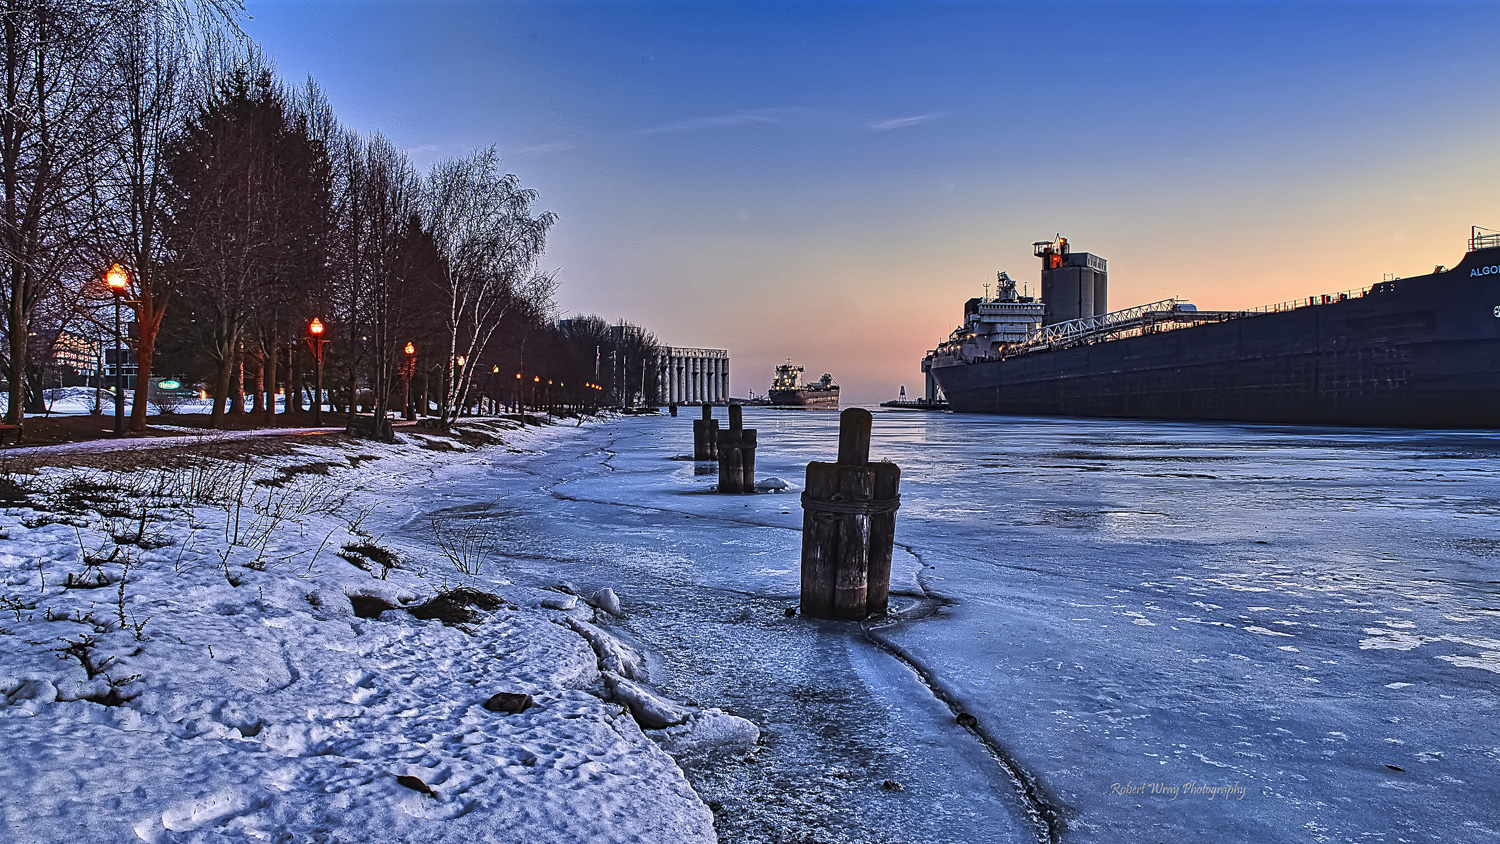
787	390
902	403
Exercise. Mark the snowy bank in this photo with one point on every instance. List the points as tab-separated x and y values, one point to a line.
197	648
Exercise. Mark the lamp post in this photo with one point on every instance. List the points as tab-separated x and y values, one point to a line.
520	405
315	340
458	378
407	370
118	281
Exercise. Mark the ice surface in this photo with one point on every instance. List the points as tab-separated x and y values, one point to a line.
1128	608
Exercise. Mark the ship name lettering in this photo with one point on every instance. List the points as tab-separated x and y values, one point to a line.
1484	271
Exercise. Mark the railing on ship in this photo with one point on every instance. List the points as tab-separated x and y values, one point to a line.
1294	304
1162	316
1483	238
1099	327
1094	324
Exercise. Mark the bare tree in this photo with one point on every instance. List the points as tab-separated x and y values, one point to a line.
55	105
490	242
153	53
387	197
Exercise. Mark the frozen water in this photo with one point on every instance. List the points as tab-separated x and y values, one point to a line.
1176	631
855	746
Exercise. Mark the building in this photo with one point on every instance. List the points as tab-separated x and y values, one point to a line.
78	353
692	376
1075	285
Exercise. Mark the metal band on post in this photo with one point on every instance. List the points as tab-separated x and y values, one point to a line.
851	508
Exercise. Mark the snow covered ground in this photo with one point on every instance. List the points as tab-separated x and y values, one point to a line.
195	650
81	401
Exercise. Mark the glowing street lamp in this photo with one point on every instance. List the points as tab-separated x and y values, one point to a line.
315	339
407	370
118	282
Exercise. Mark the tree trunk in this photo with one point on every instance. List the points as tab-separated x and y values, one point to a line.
148	316
237	387
268	371
294	382
144	352
221	391
260	384
18	337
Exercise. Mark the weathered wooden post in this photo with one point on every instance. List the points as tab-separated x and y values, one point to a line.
706	436
849	527
673	408
737	454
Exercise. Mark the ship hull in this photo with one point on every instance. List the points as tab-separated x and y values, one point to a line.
1422	352
815	399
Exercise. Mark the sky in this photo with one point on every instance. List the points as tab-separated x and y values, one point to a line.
827	182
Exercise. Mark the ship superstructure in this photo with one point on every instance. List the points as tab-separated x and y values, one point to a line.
788	389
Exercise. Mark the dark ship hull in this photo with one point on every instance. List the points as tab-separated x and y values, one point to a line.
817	399
1417	352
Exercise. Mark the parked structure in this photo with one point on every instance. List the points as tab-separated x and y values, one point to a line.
692	376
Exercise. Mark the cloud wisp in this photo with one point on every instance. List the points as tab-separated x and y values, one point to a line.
891	123
743	117
544	149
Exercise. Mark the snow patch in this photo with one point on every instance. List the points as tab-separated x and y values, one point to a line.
650	709
709	733
606	599
1264	631
1489	661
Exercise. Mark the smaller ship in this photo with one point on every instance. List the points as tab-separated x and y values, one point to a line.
901	402
787	390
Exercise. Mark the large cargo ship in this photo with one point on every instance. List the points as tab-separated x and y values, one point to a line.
787	390
1413	352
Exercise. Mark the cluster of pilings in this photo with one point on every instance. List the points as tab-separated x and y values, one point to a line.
849	512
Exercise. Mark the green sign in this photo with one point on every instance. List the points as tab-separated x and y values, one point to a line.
168	385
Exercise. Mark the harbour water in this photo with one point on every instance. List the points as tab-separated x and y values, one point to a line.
1161	631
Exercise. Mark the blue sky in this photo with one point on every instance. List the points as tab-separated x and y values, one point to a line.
829	181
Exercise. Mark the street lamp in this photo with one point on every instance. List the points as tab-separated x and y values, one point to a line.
118	281
407	370
455	381
315	339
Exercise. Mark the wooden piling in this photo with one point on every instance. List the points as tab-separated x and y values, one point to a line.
736	446
883	536
848	527
706	436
